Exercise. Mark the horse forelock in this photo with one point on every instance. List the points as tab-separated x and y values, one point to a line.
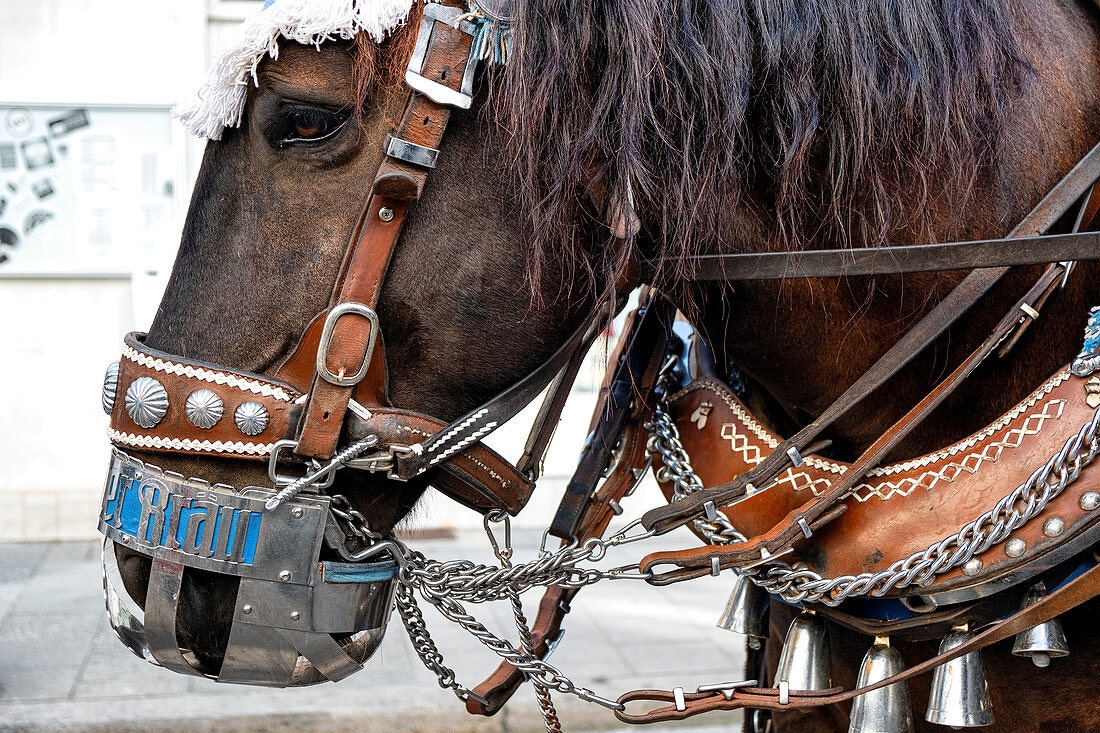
840	121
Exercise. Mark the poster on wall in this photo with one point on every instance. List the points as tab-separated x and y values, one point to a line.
85	189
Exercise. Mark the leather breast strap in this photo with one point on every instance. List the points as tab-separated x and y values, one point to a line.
967	293
815	514
352	346
1072	594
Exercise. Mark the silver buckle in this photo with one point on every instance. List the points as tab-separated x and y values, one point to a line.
334	315
278	479
435	91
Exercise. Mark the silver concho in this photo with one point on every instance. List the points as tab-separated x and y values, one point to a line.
146	401
204	408
110	387
251	418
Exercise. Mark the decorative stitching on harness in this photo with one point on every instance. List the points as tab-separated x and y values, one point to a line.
206	375
1032	425
500	479
458	429
186	444
752	455
469	440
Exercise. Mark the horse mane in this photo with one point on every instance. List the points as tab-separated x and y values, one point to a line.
839	121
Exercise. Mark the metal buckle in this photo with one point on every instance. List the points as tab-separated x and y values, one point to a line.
280	480
334	315
435	91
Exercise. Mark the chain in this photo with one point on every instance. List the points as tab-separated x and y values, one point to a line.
466	580
351	521
526	641
532	667
1024	503
423	644
664	441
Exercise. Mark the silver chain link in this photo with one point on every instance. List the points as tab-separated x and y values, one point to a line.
526	640
664	441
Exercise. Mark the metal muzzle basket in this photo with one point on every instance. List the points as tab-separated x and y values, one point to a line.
296	621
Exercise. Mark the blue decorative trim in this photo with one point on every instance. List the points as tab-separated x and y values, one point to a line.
1088	361
348	572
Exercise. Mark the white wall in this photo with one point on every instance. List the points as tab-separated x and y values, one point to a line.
59	333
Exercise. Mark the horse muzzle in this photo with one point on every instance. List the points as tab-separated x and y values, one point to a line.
297	619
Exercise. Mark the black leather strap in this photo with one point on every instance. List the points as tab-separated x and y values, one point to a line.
1034	250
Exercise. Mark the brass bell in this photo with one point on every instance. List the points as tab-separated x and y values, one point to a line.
1043	642
805	663
885	710
960	693
746	612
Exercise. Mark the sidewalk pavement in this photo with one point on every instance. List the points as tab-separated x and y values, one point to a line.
62	669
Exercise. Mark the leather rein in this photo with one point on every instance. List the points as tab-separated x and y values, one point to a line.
327	407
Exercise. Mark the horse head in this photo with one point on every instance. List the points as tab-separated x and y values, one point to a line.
277	201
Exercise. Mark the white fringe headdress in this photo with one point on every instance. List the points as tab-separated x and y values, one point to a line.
221	100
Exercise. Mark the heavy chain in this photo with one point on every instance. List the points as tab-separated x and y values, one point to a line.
664	441
466	580
1021	505
423	644
538	670
526	640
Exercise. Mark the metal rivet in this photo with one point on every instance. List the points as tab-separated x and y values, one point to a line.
204	409
110	387
294	615
246	608
1053	527
1015	547
297	512
973	566
146	401
1090	500
284	575
251	418
385	213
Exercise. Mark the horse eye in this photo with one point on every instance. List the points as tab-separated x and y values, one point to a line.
306	124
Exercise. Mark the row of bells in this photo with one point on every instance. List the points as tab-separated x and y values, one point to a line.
959	696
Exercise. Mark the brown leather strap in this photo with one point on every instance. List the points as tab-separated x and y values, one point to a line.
1072	594
630	382
395	186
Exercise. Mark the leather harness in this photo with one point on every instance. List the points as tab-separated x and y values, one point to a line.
331	392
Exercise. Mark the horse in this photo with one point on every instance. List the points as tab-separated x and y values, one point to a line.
622	132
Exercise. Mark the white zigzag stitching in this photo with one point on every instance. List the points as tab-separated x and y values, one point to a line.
475	461
457	429
1032	425
801	481
206	375
468	440
186	444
